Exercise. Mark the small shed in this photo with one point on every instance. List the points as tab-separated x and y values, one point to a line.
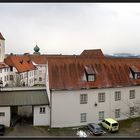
11	101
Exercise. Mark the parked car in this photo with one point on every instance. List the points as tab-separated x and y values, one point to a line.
95	129
2	129
110	124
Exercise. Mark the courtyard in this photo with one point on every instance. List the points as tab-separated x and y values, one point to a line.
128	128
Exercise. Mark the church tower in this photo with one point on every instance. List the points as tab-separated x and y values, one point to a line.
2	48
36	50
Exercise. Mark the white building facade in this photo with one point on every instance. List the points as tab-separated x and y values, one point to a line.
79	107
5	116
41	115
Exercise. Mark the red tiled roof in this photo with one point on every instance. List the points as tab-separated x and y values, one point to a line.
92	53
38	59
22	64
135	69
1	37
3	65
67	73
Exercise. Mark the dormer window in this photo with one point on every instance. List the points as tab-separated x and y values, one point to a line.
90	74
135	72
21	61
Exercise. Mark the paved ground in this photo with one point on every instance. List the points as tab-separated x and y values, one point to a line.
26	130
127	128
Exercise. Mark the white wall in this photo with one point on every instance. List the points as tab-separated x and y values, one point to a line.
66	107
2	50
4	72
40	72
5	119
41	119
47	82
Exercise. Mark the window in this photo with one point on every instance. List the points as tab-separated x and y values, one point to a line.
40	72
42	109
35	72
101	97
2	113
30	73
0	70
131	94
131	111
90	77
90	73
134	72
4	69
40	78
83	117
11	68
25	75
117	113
5	78
101	115
108	123
21	76
83	98
117	95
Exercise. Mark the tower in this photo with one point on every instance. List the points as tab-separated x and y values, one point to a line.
36	50
2	48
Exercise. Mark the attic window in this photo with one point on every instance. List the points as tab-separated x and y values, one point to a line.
90	74
28	61
21	61
135	72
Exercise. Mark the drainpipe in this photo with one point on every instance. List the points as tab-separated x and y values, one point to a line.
50	108
27	78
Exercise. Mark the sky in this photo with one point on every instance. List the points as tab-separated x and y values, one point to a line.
70	28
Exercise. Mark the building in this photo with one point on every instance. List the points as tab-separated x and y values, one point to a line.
88	88
31	103
23	70
80	89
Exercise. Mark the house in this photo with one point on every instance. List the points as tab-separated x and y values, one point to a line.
23	70
80	89
31	103
88	88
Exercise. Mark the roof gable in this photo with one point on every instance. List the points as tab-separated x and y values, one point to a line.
1	37
92	53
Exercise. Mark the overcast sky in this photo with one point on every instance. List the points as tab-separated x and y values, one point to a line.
69	28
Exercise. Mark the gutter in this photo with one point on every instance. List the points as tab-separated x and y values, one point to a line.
50	108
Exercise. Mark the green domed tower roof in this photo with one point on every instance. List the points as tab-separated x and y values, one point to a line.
36	48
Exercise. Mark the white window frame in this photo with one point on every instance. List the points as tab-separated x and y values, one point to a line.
117	95
40	79
2	114
117	113
91	78
42	110
101	97
83	98
101	115
132	111
132	94
83	117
